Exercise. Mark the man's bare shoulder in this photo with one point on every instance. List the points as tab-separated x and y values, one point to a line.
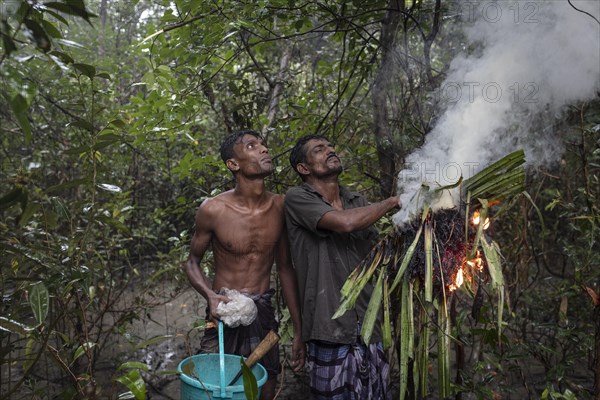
278	199
214	205
276	196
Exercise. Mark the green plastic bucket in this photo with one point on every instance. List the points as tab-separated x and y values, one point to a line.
207	371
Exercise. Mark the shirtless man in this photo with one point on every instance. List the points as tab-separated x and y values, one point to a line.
245	227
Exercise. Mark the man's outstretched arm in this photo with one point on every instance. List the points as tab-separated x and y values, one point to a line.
355	219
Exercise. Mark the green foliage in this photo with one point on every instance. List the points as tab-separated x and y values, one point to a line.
135	383
69	248
111	124
39	300
548	327
551	394
390	256
250	384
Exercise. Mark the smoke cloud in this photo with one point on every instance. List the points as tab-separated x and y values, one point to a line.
531	60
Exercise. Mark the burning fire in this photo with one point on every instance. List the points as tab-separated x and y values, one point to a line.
470	267
476	219
467	271
458	281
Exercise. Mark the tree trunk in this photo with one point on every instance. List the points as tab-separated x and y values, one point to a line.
103	16
383	138
277	89
428	40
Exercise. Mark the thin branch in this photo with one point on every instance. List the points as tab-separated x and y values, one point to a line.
428	40
584	12
184	23
259	67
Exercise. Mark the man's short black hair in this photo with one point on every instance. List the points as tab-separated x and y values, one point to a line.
298	153
227	145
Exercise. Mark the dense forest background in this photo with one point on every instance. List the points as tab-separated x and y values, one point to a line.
111	116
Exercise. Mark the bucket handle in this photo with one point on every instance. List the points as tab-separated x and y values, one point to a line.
222	359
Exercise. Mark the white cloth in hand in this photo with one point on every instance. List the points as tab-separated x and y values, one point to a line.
240	310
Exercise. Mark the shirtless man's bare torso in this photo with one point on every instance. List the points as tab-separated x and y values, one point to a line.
245	227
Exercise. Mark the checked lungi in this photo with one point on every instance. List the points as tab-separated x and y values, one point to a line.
348	372
242	340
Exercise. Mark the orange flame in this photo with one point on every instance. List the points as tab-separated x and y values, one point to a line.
467	271
458	281
476	263
469	268
476	220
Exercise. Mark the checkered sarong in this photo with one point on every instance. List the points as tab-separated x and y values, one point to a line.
348	372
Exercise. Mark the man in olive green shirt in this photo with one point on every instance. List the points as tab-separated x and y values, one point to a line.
330	231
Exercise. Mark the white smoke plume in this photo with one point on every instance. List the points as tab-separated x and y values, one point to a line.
534	58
